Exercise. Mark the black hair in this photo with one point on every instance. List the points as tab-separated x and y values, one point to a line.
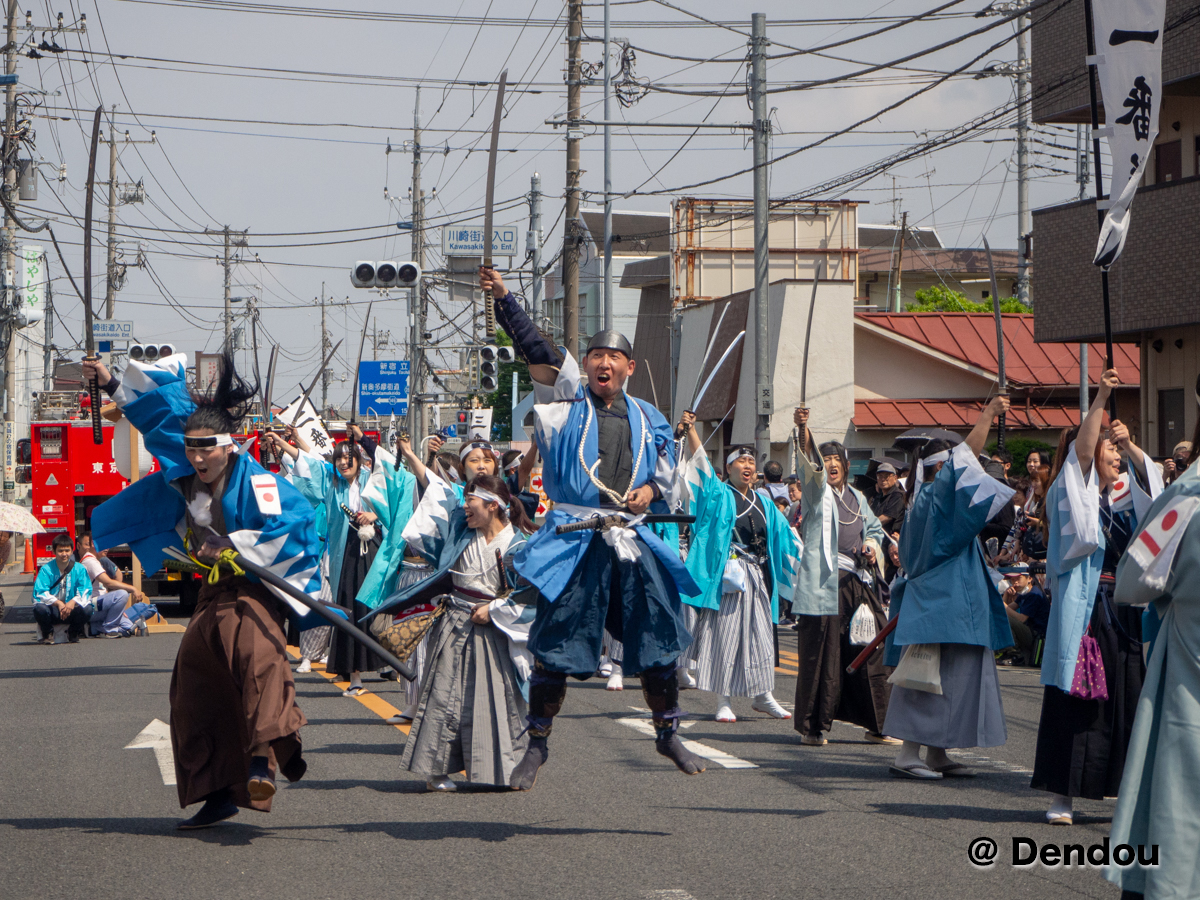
81	535
450	464
773	472
509	511
348	448
738	448
1004	456
935	446
222	407
62	539
833	448
510	456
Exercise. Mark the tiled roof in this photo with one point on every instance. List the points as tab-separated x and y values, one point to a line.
900	415
971	338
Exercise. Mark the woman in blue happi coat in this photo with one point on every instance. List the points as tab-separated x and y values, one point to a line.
1092	511
365	511
948	599
234	718
1156	807
471	714
743	556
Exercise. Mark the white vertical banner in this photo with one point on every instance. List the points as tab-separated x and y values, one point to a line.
480	428
1129	36
33	273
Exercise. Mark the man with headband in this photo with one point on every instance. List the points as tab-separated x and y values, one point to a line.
603	452
843	551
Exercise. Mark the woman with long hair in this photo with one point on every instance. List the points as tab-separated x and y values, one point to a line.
234	718
365	513
471	715
1092	512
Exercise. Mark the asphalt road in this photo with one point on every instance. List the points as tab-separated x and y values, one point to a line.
609	818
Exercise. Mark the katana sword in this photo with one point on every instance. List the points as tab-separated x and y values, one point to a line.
717	368
89	313
489	312
1000	422
812	304
650	375
358	369
598	523
266	576
269	387
316	378
681	431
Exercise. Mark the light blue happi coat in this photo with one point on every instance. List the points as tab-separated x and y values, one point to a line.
562	415
713	504
1074	558
149	514
388	490
947	596
1157	802
816	583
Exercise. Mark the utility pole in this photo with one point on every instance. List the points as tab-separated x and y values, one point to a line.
111	280
228	306
762	325
1024	221
897	304
325	343
1083	175
571	236
534	242
416	376
608	304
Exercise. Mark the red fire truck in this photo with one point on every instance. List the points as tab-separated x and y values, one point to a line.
71	476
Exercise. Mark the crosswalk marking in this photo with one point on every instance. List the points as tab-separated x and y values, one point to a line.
643	724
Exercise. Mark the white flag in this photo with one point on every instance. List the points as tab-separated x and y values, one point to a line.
308	424
1129	35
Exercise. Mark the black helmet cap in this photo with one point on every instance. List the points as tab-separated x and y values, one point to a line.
610	340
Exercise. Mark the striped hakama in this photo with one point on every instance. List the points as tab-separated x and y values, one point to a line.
733	647
471	715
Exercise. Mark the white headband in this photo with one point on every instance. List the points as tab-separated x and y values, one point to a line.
486	496
209	440
738	454
465	450
940	457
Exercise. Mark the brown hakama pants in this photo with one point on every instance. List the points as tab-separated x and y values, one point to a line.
232	689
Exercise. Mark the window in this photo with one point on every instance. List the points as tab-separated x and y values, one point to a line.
1168	162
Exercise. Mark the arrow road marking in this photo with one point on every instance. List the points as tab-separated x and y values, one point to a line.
720	757
157	737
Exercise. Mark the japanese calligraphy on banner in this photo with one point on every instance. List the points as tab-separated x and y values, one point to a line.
480	426
308	425
1129	35
33	267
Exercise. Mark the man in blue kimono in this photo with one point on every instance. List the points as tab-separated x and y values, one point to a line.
603	453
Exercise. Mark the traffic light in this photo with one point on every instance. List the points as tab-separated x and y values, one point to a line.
490	358
150	352
385	274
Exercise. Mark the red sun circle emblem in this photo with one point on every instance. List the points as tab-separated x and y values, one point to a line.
1169	520
269	498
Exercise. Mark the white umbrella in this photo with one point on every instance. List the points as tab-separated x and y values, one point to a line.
18	519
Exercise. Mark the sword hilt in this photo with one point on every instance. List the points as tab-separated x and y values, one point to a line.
593	524
489	315
94	393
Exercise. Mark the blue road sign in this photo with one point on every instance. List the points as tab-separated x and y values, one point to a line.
383	387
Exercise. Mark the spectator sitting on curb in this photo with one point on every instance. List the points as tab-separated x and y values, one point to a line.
62	593
109	593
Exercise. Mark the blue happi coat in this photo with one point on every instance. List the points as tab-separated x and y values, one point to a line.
948	596
1075	556
438	533
77	580
712	503
562	414
149	514
387	489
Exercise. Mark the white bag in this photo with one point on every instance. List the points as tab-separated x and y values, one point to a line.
920	668
733	580
863	627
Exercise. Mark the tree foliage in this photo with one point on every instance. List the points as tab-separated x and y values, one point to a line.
500	400
939	298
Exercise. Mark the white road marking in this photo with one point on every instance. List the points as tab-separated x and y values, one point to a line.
645	726
976	759
157	737
673	894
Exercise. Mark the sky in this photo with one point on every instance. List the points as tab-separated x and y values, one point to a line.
276	116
